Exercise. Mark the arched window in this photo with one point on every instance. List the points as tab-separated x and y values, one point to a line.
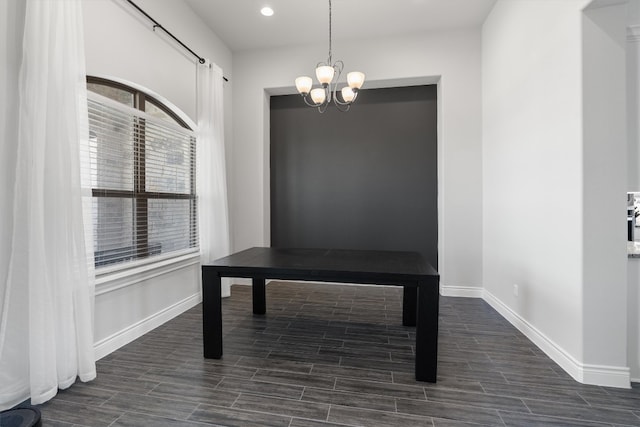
142	158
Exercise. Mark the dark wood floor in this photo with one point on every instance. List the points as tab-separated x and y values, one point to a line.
327	355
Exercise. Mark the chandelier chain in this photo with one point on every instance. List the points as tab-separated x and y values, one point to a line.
330	59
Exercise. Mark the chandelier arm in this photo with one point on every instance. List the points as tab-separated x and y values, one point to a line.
333	86
329	93
355	96
338	66
336	99
343	108
306	101
338	102
323	107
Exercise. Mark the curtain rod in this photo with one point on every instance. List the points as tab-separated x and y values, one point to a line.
156	24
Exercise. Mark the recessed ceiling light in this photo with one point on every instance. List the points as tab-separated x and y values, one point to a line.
266	11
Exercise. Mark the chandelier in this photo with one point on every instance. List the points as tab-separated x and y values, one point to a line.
321	97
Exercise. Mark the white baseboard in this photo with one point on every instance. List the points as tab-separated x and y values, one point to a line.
609	376
447	291
461	291
121	338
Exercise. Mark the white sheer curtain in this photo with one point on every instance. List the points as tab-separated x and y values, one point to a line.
46	287
213	216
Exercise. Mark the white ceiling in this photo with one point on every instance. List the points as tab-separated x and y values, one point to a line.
241	26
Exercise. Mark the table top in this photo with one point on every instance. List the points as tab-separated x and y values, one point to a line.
326	264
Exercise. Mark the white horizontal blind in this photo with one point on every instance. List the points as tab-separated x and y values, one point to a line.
143	183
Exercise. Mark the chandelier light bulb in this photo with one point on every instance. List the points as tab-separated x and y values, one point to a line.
318	95
325	74
355	79
303	84
347	94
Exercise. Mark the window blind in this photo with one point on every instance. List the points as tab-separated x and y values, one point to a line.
142	172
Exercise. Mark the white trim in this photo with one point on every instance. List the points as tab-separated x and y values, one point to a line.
130	333
152	260
609	376
112	281
461	291
173	107
554	351
131	111
633	33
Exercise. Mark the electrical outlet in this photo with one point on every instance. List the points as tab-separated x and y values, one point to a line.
515	290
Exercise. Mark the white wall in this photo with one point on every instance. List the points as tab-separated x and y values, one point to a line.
532	165
120	44
604	192
633	94
633	99
539	162
633	136
132	304
452	57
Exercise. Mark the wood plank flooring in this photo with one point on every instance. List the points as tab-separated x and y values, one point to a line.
330	355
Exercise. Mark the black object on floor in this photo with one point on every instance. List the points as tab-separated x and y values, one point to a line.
20	417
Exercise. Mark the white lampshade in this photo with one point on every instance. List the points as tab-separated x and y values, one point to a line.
303	84
355	79
347	94
317	95
324	74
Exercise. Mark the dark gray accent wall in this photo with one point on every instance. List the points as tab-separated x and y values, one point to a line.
365	179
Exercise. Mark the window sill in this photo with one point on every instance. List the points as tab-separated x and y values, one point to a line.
109	279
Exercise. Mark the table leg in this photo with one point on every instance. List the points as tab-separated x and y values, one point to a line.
211	313
409	299
427	331
259	297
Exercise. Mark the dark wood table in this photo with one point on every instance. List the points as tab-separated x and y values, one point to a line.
408	269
